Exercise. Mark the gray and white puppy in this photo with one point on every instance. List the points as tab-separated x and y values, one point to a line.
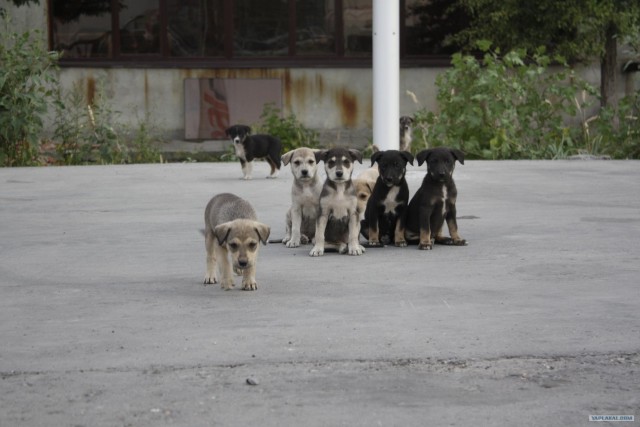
232	239
406	124
338	223
305	193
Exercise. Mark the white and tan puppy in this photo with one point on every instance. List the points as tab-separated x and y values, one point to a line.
364	183
338	220
305	195
232	239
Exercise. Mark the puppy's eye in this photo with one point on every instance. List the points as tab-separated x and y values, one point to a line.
362	196
233	246
253	246
346	163
331	163
311	162
297	163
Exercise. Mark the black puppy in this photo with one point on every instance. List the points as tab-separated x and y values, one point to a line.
385	216
249	147
435	200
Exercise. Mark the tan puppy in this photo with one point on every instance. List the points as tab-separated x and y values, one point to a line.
364	183
305	196
232	239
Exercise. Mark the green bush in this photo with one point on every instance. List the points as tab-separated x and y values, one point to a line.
27	74
291	132
615	131
92	133
506	107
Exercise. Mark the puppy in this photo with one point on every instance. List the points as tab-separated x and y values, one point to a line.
232	237
338	220
364	183
406	124
305	193
435	200
385	216
249	147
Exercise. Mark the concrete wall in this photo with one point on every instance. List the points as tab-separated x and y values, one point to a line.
337	102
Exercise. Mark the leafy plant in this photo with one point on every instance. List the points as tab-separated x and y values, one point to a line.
27	74
615	131
92	132
505	106
290	130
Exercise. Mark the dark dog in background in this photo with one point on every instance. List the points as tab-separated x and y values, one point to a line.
435	201
385	216
249	147
338	223
406	124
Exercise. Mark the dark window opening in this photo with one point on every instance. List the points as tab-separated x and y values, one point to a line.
230	33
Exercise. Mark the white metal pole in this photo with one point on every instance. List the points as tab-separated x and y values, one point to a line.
386	74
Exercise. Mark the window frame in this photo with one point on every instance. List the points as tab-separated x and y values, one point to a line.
228	60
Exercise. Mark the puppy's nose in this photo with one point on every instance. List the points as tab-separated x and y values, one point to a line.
339	174
304	172
242	263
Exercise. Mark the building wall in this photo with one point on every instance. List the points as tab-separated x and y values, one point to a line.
336	102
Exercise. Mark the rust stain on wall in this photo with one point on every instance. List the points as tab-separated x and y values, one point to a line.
146	91
91	90
348	105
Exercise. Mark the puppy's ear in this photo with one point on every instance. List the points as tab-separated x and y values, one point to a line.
375	157
228	131
221	232
370	187
286	157
422	156
321	155
263	231
459	155
407	156
355	155
247	129
410	120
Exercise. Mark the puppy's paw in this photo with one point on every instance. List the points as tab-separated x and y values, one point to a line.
249	285
226	284
356	250
316	251
246	177
374	243
293	243
401	243
209	280
304	240
425	246
460	242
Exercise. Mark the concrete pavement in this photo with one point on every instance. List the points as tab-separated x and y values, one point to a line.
104	320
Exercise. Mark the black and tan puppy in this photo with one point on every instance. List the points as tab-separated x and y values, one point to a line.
249	147
385	217
338	223
435	200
